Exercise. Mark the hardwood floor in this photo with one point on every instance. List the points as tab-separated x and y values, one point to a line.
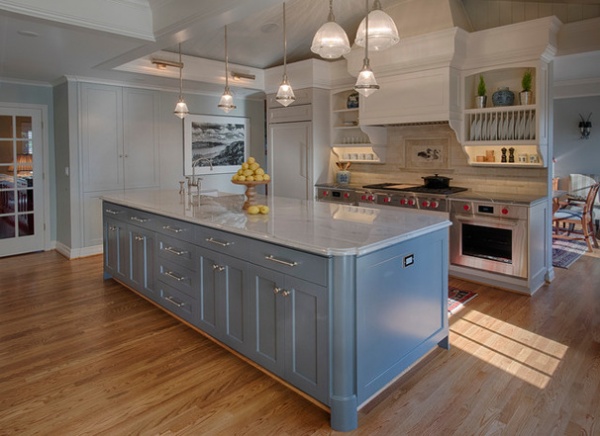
80	355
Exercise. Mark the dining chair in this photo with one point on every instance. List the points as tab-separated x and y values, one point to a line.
573	214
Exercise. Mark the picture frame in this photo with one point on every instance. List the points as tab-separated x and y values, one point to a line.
215	144
427	153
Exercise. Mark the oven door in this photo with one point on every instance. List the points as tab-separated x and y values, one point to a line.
497	245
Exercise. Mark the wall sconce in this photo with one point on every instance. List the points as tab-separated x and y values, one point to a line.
585	126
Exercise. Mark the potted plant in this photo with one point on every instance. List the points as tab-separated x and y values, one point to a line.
481	98
526	94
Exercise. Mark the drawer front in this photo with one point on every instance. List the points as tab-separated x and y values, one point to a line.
115	211
141	219
178	277
175	228
175	250
297	263
178	303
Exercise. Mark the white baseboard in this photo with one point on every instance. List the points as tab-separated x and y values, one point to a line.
74	253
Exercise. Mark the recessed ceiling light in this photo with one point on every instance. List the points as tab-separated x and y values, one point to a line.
28	33
269	27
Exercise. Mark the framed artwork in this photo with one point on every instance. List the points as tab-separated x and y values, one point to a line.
214	144
427	153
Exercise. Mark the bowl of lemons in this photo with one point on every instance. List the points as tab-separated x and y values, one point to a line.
251	175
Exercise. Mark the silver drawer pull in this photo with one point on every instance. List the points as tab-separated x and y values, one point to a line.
283	262
175	251
222	244
173	301
112	211
173	229
139	220
174	276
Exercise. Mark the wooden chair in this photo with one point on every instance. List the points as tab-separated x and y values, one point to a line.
573	214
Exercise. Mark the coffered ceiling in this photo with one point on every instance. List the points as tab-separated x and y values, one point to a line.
41	41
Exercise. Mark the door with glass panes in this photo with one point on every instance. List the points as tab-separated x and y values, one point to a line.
21	181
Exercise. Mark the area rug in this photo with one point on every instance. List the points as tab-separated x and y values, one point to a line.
565	253
457	299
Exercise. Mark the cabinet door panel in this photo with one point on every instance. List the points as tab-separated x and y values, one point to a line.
234	303
116	251
209	271
140	138
266	309
141	269
102	137
307	337
290	148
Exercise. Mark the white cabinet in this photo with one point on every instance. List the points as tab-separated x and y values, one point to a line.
298	149
119	147
516	131
118	137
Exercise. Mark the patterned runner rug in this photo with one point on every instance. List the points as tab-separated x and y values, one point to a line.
457	299
565	253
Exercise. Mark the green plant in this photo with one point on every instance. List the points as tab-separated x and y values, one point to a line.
526	81
481	87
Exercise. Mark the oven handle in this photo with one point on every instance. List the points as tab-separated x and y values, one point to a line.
478	220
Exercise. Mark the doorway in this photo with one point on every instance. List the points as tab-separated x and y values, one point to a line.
22	181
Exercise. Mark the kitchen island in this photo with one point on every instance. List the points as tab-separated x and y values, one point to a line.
336	301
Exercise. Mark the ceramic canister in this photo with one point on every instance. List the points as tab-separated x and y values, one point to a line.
342	177
503	97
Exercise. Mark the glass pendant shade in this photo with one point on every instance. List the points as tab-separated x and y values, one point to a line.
330	41
285	94
382	30
226	102
366	83
181	109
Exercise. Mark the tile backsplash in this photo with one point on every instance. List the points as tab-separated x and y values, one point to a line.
422	150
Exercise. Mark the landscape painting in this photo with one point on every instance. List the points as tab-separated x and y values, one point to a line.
214	144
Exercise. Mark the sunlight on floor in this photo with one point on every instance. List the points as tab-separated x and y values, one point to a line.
524	354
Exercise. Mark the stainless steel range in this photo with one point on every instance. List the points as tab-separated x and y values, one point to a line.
418	197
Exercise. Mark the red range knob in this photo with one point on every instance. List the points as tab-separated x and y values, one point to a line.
371	198
346	195
412	201
435	204
387	200
504	211
467	207
403	201
325	193
425	203
363	197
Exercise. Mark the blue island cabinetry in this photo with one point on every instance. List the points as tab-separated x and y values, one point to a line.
336	318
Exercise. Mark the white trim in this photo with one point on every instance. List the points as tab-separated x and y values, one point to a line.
75	253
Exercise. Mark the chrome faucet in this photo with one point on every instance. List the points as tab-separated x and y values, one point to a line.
195	181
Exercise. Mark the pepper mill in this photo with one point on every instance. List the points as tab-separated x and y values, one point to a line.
511	155
503	159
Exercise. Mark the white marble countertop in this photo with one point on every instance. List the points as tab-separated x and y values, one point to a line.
313	226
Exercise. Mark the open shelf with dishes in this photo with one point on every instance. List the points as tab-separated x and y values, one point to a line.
510	124
351	141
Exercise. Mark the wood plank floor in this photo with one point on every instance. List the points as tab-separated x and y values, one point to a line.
80	355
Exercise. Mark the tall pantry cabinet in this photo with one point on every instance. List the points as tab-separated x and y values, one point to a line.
111	145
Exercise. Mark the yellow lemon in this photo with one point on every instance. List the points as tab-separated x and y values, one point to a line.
251	160
240	172
264	209
248	173
241	178
258	178
266	177
249	178
259	171
253	210
244	166
254	166
234	177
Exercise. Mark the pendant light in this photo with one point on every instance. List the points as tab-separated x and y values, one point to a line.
181	109
330	41
366	83
285	94
226	102
383	32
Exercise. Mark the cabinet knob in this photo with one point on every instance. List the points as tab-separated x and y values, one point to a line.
139	238
285	293
277	290
218	267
